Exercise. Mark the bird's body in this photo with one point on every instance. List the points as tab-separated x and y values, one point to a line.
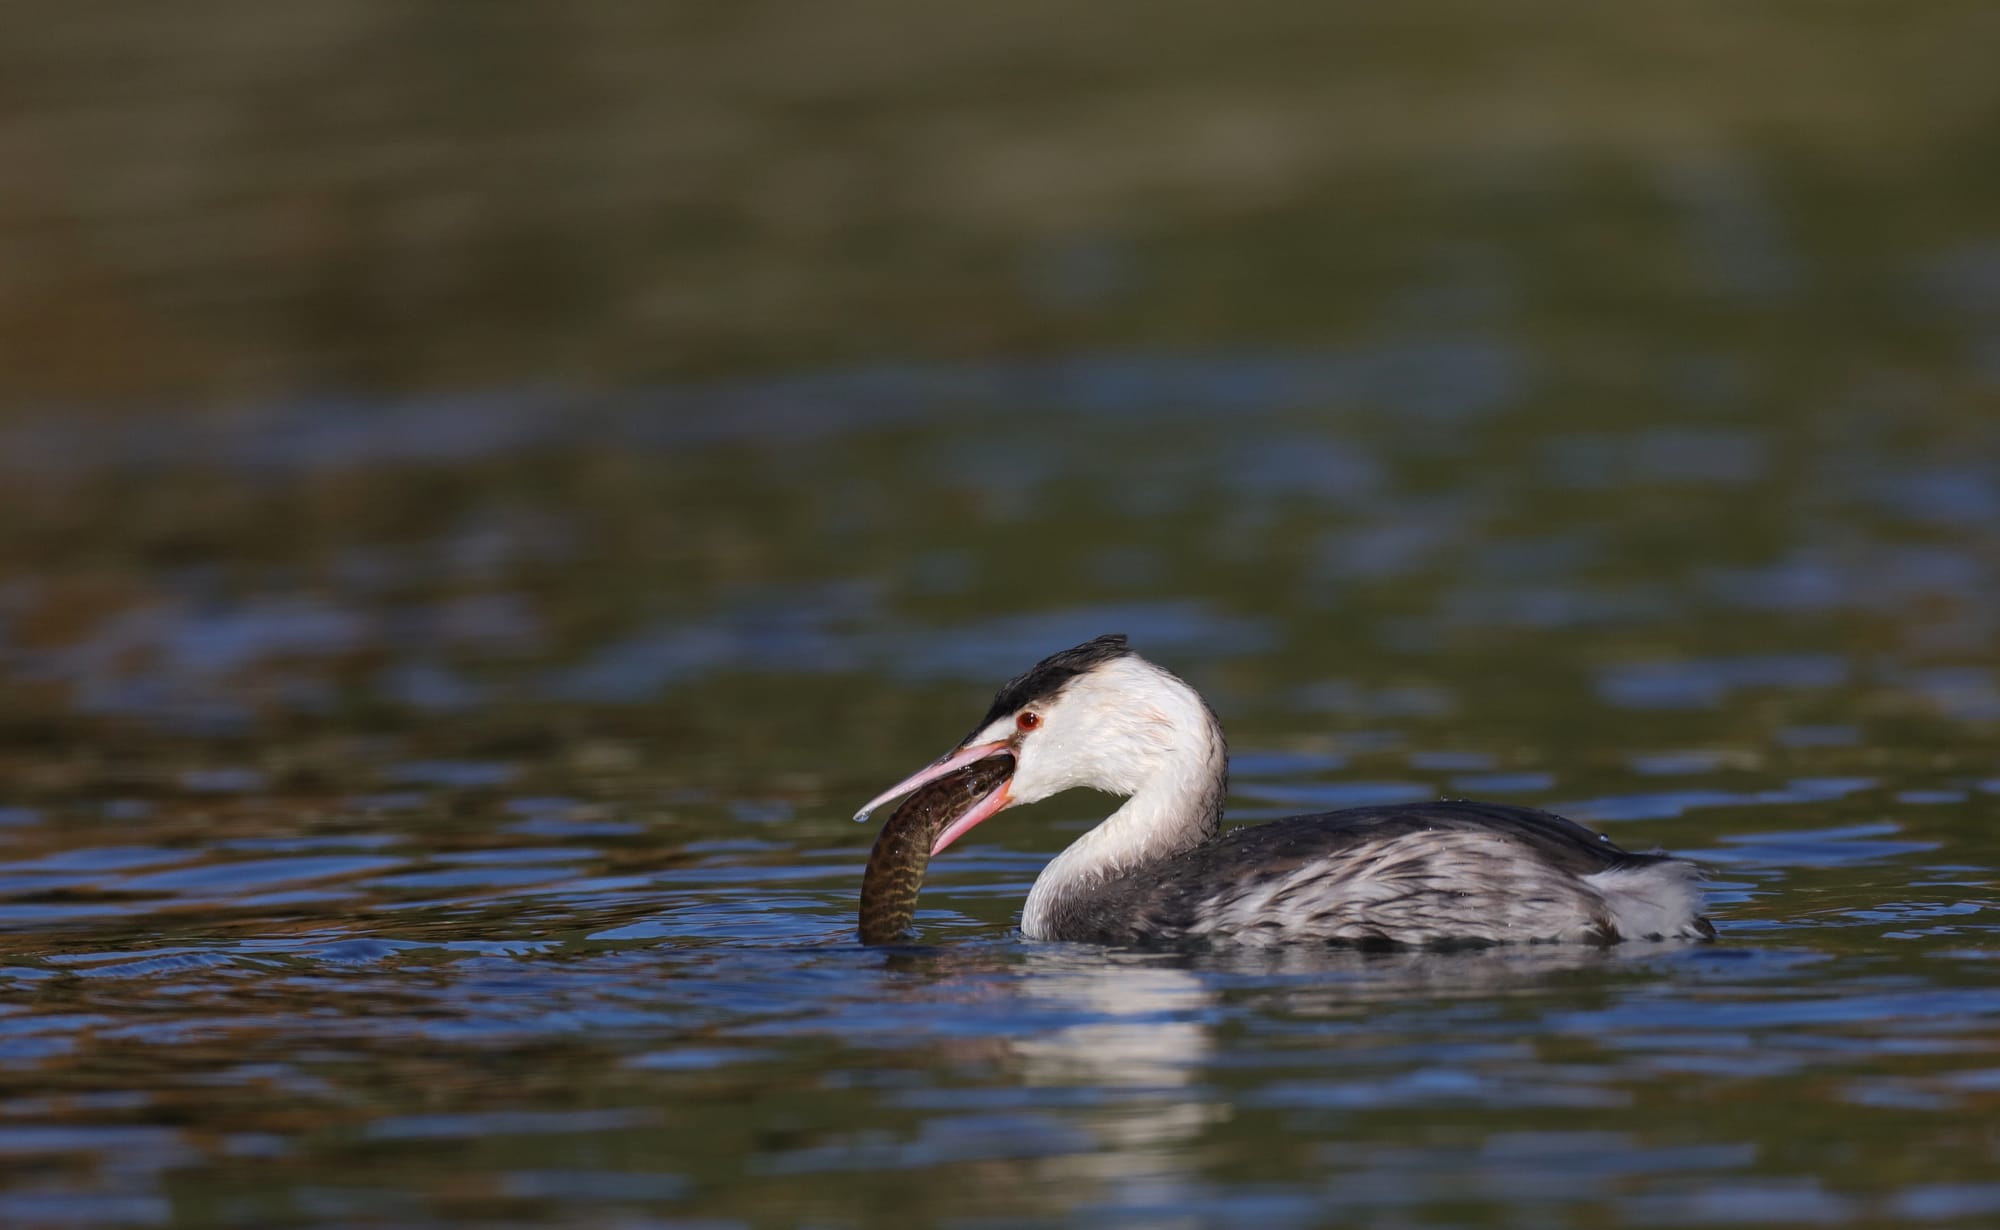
1160	869
1418	873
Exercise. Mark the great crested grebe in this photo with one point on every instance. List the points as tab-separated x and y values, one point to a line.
1161	870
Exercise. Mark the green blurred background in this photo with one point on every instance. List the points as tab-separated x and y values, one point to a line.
228	202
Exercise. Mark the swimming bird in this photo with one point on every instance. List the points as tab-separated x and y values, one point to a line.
1161	869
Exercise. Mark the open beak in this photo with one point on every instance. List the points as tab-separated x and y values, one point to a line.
994	801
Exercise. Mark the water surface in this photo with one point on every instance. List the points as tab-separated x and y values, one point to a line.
483	499
497	869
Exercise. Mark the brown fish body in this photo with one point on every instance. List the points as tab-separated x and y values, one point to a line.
902	851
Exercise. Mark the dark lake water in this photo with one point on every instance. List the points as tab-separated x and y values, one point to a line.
500	872
481	505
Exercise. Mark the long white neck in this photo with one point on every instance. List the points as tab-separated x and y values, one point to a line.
1175	806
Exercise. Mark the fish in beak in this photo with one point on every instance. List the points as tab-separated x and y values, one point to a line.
990	804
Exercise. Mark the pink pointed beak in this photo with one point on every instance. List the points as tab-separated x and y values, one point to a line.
996	800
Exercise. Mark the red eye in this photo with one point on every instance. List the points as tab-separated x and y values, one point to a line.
1029	720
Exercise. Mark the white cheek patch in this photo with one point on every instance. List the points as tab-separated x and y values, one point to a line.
1002	729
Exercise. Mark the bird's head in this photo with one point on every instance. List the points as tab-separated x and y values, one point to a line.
1097	715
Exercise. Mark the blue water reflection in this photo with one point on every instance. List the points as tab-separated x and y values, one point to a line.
496	865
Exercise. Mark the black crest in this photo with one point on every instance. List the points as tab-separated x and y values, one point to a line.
1053	673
